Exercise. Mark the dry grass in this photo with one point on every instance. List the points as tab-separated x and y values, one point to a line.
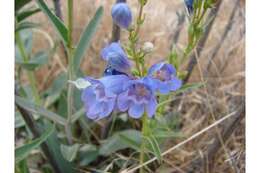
225	79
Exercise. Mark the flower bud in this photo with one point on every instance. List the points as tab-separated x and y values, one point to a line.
189	5
147	47
122	15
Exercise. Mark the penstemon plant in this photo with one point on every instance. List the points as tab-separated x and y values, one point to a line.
128	86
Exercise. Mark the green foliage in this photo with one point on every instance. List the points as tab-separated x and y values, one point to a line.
20	3
121	140
86	37
23	151
39	110
26	13
59	26
69	152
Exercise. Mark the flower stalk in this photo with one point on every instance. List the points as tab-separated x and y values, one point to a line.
70	71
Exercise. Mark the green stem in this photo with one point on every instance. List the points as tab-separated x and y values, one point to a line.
70	72
144	133
30	75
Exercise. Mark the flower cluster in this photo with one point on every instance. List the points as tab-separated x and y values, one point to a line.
119	89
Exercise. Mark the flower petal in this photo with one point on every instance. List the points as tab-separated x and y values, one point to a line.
88	95
151	107
94	108
164	87
107	108
119	62
89	115
123	102
136	110
175	84
122	15
114	83
155	68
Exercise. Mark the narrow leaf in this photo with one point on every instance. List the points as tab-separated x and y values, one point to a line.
86	38
57	23
20	3
69	152
39	110
116	143
23	151
26	13
26	25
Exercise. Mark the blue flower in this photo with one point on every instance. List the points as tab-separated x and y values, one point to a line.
110	71
138	97
189	5
116	57
121	15
100	97
163	78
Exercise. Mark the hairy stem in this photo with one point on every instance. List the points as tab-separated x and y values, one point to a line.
144	131
70	71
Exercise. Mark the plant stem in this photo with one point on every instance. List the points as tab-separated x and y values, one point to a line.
26	59
144	131
70	71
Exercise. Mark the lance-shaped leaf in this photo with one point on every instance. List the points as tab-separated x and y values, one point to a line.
23	151
86	37
57	23
39	110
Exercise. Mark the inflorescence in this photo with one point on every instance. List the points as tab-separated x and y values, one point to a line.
119	89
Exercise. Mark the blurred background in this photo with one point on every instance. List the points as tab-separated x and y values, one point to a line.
221	65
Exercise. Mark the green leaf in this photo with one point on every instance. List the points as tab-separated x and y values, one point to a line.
27	40
20	3
57	23
69	152
190	86
78	114
116	142
39	110
86	37
87	154
54	148
167	134
23	151
19	122
26	25
22	166
26	13
155	146
53	93
41	58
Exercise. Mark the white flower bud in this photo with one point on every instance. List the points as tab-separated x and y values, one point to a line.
147	47
80	83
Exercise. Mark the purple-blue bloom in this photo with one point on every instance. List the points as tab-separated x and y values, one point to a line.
110	71
100	97
116	57
138	97
163	78
122	15
189	5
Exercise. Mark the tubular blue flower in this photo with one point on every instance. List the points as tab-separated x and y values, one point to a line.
189	5
100	97
110	71
163	78
116	57
122	15
138	97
